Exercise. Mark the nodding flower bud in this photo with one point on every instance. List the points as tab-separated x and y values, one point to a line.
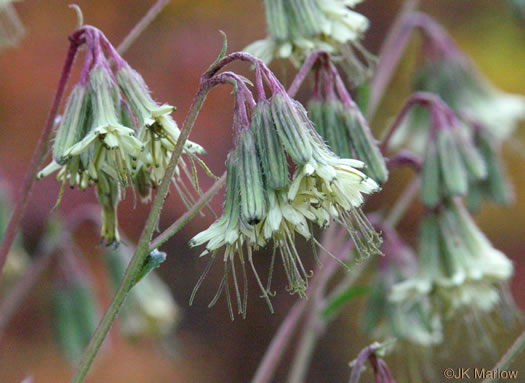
342	125
448	72
298	27
292	128
73	124
11	28
458	267
495	186
453	172
72	128
270	147
253	204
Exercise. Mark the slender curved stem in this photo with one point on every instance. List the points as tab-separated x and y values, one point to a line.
419	98
142	25
143	247
314	325
389	55
38	155
517	348
279	343
303	72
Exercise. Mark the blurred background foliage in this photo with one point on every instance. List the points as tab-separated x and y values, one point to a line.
171	55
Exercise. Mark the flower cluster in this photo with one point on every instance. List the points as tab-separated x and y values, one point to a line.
297	27
487	115
453	164
414	326
458	159
458	266
11	28
265	205
341	124
113	134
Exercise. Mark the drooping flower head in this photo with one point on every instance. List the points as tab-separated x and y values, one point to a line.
412	326
417	327
298	27
448	72
264	205
457	159
113	134
484	110
459	269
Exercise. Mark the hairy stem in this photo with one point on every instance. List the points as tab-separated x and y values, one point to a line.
419	98
142	25
303	72
314	325
38	155
143	248
517	348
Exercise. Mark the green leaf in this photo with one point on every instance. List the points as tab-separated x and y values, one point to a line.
221	54
336	303
153	260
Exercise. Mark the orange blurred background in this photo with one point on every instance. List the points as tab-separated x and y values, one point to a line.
171	55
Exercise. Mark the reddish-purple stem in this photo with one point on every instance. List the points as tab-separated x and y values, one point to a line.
303	72
359	363
418	98
404	158
39	153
